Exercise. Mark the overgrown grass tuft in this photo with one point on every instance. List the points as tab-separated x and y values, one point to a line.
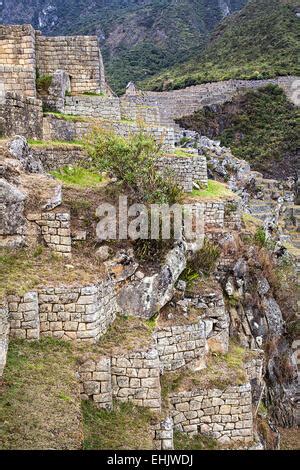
214	191
39	397
183	441
125	428
78	176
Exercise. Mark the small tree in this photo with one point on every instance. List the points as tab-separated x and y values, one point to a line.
132	160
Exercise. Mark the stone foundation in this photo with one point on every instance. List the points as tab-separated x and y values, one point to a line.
225	415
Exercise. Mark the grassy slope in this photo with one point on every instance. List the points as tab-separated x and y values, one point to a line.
260	41
39	397
260	126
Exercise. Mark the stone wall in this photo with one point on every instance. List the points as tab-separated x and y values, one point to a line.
79	56
214	214
163	435
135	377
186	170
69	313
54	157
17	59
56	231
95	381
181	345
24	316
179	103
21	115
225	415
223	214
94	106
135	108
70	130
4	334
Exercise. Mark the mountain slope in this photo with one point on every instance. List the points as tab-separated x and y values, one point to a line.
260	41
138	37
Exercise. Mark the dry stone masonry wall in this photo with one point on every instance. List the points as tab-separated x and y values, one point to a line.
17	59
181	345
79	56
94	106
69	313
68	130
133	377
186	170
56	231
21	115
225	415
4	334
55	157
24	316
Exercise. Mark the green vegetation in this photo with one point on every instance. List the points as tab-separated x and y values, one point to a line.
132	161
202	262
183	441
126	334
261	41
23	270
125	428
214	191
43	83
93	93
68	117
39	397
54	143
222	370
260	126
78	176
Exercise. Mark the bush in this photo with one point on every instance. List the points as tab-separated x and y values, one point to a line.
203	261
43	83
132	161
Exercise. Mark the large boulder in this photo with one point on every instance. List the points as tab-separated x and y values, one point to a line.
146	297
12	220
19	149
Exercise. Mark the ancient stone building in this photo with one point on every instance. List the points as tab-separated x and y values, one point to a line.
24	53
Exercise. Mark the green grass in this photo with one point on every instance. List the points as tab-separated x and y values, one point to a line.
39	397
215	190
25	269
54	143
78	176
222	371
183	441
125	428
68	117
93	93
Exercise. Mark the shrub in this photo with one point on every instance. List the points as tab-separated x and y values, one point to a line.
43	83
132	161
203	261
